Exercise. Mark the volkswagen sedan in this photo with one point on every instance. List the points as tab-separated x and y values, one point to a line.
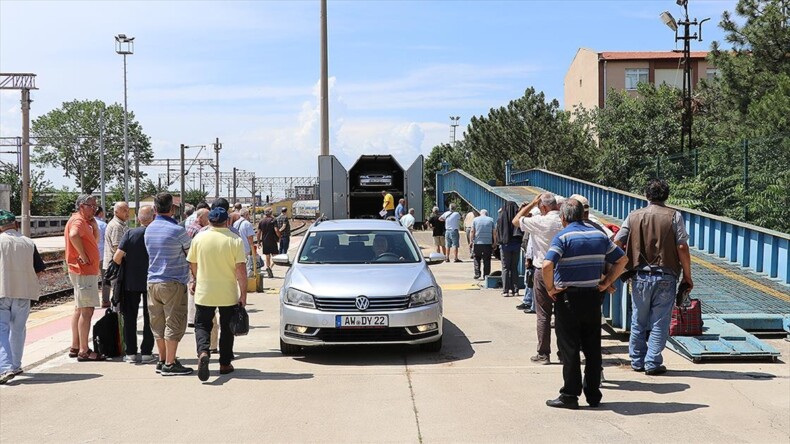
359	282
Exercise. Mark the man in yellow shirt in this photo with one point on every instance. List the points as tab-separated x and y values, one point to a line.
218	263
389	204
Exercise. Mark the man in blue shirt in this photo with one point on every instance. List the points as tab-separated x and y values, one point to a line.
167	244
482	237
400	210
573	270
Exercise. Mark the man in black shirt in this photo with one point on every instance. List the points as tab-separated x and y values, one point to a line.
438	231
132	256
285	230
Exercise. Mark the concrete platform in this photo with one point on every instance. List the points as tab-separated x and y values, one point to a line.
481	388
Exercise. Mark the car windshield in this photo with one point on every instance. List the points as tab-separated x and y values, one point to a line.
359	247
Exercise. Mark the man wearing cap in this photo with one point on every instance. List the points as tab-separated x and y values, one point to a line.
217	261
590	219
284	225
167	244
82	257
19	264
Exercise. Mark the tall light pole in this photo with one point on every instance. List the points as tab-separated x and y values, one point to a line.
324	84
125	46
670	21
454	125
217	147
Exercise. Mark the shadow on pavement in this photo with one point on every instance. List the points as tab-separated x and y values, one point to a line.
455	347
631	386
255	374
51	378
720	374
648	408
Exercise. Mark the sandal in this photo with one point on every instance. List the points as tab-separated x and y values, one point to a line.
91	356
73	352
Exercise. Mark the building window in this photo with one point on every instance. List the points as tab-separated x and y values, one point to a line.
635	76
711	73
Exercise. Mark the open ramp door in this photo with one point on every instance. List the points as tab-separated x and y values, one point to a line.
413	185
332	188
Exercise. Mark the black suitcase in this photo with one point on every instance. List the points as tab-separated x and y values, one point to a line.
106	336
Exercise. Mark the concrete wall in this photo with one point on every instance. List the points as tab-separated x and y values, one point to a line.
5	197
581	81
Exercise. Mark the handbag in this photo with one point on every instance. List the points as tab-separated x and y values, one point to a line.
686	319
239	321
106	335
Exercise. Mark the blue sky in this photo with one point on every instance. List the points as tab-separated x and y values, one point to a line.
248	72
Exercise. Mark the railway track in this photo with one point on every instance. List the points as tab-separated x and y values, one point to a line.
53	299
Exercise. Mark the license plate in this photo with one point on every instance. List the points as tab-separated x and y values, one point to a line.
364	321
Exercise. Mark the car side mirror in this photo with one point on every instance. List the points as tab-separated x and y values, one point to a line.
282	260
435	258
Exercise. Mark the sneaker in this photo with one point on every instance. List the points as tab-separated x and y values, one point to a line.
203	366
541	359
660	370
131	359
175	369
529	311
522	306
147	359
17	371
7	376
159	365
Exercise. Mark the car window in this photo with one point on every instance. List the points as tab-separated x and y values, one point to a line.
358	247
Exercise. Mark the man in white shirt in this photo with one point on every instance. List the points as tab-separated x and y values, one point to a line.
452	223
247	234
408	219
541	228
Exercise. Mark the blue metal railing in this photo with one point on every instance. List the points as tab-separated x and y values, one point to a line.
519	178
759	249
475	192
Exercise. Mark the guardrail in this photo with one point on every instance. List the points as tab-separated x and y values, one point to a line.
759	249
475	192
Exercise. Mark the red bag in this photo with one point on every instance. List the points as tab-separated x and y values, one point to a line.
686	319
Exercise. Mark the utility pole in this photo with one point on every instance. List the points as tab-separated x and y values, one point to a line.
234	185
125	46
24	82
217	147
183	178
101	158
324	84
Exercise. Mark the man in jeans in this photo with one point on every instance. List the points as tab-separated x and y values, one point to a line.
217	261
167	244
657	251
133	257
482	236
541	228
285	230
19	264
452	223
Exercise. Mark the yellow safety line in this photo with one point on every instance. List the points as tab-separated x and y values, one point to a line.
742	279
460	287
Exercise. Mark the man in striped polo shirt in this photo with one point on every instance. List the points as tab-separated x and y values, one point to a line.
573	270
168	275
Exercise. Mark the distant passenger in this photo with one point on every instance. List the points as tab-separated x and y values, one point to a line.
82	257
284	225
104	289
389	204
189	210
191	219
509	238
133	258
247	233
468	220
483	239
217	261
112	237
168	275
657	253
438	231
19	264
407	220
237	207
400	210
268	235
452	223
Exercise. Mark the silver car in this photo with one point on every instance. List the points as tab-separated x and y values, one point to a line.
359	281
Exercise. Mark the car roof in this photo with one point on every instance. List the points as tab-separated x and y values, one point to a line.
357	224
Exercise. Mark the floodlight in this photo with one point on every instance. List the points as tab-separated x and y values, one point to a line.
668	20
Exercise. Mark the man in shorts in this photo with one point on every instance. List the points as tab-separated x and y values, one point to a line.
167	244
82	258
452	223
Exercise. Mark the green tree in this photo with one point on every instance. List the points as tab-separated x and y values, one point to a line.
194	197
68	138
63	202
40	190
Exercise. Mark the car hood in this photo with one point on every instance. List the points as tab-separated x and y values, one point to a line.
330	280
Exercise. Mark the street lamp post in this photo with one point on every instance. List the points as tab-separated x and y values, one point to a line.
454	125
217	147
125	46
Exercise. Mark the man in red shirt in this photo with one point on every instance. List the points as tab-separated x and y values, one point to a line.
82	257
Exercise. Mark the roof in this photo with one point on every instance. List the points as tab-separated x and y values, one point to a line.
357	224
648	55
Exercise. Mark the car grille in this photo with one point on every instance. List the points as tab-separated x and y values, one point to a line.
391	334
349	304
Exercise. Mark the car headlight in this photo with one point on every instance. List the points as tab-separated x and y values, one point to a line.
423	297
298	298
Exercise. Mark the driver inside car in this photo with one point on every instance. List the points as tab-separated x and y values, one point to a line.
381	249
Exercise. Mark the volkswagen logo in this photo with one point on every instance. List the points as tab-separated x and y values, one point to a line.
362	303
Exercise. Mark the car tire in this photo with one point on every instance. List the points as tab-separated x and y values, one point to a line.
432	347
289	349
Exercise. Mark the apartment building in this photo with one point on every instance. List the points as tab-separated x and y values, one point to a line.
592	74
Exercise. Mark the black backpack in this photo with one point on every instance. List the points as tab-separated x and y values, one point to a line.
106	335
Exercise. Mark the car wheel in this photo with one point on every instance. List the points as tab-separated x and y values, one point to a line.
289	349
432	347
